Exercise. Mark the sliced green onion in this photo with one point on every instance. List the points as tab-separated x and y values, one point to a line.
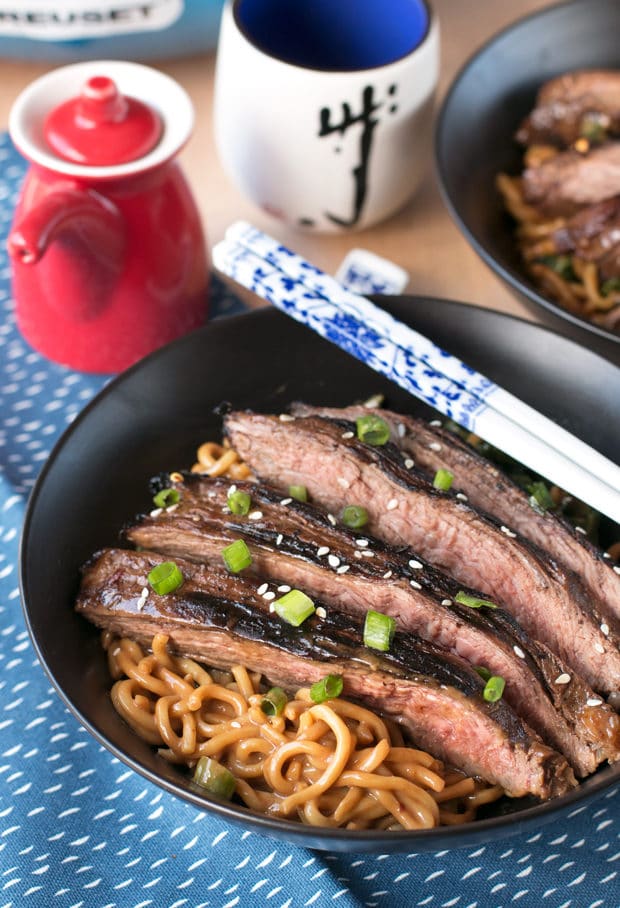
299	493
274	702
294	607
218	780
561	264
165	577
239	502
473	601
494	688
610	286
484	673
355	516
327	688
378	630
372	429
166	497
237	556
540	492
443	479
593	128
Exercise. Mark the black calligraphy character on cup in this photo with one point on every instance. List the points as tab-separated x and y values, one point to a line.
368	121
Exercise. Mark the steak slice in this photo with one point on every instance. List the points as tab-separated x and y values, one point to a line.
569	181
593	234
489	489
219	619
296	543
565	102
405	509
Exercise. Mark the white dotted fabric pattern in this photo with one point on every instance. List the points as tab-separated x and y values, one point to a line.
78	828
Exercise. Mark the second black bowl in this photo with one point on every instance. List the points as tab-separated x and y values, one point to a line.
490	96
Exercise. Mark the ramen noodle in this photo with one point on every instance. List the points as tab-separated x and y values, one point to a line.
329	764
213	459
570	280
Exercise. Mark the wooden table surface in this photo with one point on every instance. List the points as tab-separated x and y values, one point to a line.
421	238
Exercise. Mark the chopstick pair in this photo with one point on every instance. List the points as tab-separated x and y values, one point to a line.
296	287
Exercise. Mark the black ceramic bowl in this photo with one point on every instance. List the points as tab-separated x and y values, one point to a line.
154	416
474	139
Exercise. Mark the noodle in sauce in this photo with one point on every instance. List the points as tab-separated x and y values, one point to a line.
577	287
330	764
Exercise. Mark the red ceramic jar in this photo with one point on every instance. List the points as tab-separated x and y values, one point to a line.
108	253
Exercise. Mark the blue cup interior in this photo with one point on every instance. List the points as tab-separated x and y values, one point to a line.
346	35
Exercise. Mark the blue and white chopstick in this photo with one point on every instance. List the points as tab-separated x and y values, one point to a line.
364	339
292	264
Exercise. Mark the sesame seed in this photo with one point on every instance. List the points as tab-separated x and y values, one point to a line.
235	724
255	515
606	555
272	607
392	504
145	592
344	483
508	532
286	417
599	648
324	550
171	508
270	596
347	435
156	512
320	612
562	679
196	518
616	568
593	701
232	490
116	651
332	519
605	629
580	530
367	553
286	500
416	565
262	588
343	568
361	542
225	509
435	446
435	422
285	588
519	652
409	463
446	602
140	604
461	496
387	575
357	553
401	430
279	538
333	560
415	585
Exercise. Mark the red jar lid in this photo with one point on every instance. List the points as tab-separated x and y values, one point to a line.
102	127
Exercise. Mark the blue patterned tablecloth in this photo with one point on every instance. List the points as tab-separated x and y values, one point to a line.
78	829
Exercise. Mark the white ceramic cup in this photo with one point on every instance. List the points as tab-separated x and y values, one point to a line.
323	109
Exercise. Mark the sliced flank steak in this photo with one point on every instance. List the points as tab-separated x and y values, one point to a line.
297	544
570	181
404	508
489	489
220	619
573	105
